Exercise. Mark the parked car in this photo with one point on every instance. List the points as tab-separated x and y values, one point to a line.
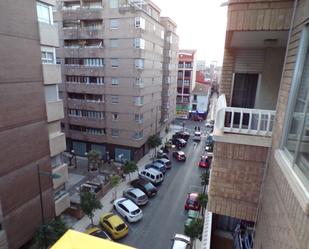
205	162
209	148
114	225
181	242
97	232
136	195
179	156
182	134
209	124
157	166
146	186
209	140
161	154
197	118
128	209
169	144
166	162
197	136
192	214
152	175
192	202
179	142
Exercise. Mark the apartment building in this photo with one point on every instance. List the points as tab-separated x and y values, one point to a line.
28	130
260	169
185	82
112	57
170	69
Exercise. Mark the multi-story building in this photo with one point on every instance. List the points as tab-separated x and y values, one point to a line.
260	168
185	82
170	69
199	100
111	54
30	137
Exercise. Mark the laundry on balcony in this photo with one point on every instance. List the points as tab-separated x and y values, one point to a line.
243	236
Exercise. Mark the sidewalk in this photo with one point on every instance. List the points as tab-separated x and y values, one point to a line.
82	224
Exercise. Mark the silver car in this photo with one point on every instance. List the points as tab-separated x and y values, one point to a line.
136	195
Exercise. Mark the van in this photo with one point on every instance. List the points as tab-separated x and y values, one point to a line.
152	175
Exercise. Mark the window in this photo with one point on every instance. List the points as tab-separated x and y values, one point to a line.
139	82
115	132
139	118
139	43
51	93
115	99
113	4
296	139
114	23
93	62
56	161
139	101
138	135
140	22
139	63
115	116
44	12
115	62
115	81
86	113
113	43
48	57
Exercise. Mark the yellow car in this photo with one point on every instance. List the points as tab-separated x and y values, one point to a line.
97	232
114	225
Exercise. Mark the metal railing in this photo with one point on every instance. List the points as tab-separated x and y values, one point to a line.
244	120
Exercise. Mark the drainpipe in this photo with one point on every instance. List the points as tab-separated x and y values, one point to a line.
269	150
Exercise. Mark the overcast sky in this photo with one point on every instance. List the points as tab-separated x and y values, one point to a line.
200	25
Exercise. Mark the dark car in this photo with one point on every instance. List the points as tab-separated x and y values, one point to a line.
197	118
157	166
179	142
166	162
179	156
182	134
209	140
161	154
146	186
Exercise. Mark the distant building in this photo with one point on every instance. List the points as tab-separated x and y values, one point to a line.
200	65
185	82
199	100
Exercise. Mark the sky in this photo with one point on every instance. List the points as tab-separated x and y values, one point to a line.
201	25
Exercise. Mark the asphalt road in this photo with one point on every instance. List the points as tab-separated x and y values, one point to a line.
164	215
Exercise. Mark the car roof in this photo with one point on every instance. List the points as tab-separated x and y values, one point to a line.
136	191
114	219
158	164
193	196
180	152
152	171
163	160
127	203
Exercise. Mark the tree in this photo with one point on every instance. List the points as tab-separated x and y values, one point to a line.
115	180
94	159
205	180
153	142
54	230
203	199
194	230
129	167
89	203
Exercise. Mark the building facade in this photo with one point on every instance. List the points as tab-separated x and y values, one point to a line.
112	57
199	100
260	169
29	125
185	82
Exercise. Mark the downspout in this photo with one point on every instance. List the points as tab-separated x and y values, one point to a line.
270	148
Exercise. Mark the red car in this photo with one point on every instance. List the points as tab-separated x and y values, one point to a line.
204	162
192	202
179	156
197	118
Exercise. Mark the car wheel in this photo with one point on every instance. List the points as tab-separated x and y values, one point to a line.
126	219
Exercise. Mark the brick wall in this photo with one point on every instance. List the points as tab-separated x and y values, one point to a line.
235	181
282	222
227	74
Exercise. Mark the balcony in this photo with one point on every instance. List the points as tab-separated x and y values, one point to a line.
54	110
56	143
61	170
48	34
83	70
248	126
85	104
82	33
83	52
82	14
85	88
62	203
83	136
51	74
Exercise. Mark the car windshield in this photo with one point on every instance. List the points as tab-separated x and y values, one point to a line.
148	186
136	211
120	227
191	202
100	234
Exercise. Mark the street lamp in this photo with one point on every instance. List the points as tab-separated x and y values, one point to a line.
86	155
75	159
53	176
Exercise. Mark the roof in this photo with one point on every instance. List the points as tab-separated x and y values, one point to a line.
77	240
202	77
201	89
136	191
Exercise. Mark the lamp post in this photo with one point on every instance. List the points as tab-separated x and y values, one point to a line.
86	155
75	159
53	176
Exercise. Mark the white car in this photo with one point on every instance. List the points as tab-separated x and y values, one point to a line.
181	242
197	136
128	209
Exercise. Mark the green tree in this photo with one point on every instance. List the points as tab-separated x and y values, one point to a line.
203	199
94	159
129	167
89	203
54	230
205	180
194	230
115	180
153	142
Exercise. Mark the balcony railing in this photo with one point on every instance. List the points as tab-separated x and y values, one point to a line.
244	120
